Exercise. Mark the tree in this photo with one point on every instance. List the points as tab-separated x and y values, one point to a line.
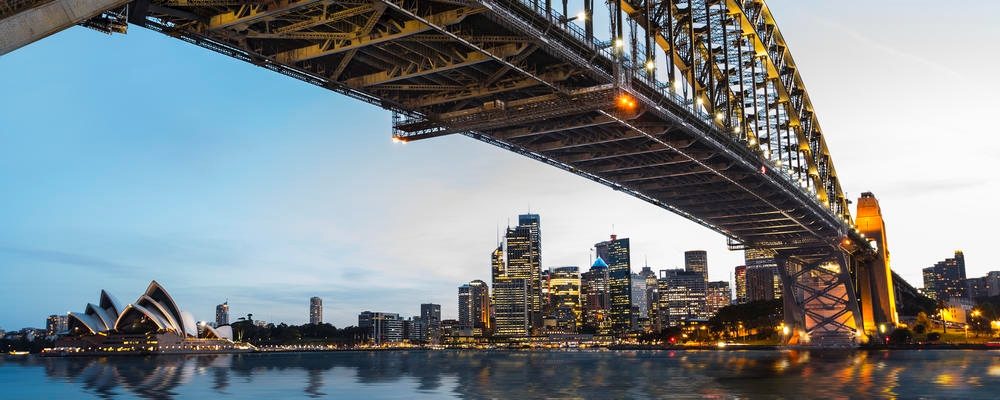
923	323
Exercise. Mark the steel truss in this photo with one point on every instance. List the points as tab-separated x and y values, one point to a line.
730	139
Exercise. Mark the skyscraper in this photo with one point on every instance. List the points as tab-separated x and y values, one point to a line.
696	261
741	284
764	259
222	314
615	253
682	296
718	296
315	310
651	292
524	261
510	303
639	295
594	298
946	279
431	314
474	306
564	298
760	284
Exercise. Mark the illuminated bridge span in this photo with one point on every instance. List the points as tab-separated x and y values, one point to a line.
695	106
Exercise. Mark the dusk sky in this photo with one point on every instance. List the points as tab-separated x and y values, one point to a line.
131	158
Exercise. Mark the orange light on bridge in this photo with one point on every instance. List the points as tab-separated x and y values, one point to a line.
846	242
626	102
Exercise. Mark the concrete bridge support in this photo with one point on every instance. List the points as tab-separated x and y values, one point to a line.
32	24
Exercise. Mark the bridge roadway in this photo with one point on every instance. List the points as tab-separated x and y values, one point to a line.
730	141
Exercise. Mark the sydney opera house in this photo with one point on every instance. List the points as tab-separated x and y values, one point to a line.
152	324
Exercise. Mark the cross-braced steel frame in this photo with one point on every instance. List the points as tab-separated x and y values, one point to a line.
721	131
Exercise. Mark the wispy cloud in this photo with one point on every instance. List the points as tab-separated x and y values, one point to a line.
60	257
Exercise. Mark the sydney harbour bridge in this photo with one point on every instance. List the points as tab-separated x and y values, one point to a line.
695	106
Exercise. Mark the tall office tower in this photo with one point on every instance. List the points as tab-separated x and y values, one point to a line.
615	253
696	261
382	327
474	307
416	330
524	261
650	277
315	310
760	284
564	298
499	268
56	324
718	296
761	258
639	296
222	314
741	284
431	314
682	296
946	279
594	298
510	304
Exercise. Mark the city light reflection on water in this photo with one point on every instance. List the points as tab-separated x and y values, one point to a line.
512	374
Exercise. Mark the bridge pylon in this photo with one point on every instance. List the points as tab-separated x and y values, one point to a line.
873	275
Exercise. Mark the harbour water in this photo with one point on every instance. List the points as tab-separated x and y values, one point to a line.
576	374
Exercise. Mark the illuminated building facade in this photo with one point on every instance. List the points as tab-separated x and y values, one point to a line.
696	261
946	279
741	284
564	298
718	296
523	247
382	327
595	298
510	304
682	296
615	253
763	260
649	276
315	310
474	307
56	324
760	284
639	296
222	314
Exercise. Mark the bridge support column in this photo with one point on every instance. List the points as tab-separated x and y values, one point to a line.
36	23
819	301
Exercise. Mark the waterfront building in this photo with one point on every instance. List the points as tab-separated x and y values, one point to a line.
639	303
416	330
946	279
153	323
760	283
615	253
511	308
315	310
56	324
564	298
222	314
431	314
382	327
523	245
682	296
763	259
649	276
595	299
719	295
741	284
474	307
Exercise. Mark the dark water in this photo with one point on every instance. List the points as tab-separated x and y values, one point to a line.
954	374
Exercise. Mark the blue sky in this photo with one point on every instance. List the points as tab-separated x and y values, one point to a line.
136	157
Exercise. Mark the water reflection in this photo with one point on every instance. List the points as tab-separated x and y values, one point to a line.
541	374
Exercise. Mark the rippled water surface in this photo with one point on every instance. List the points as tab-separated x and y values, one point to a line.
513	375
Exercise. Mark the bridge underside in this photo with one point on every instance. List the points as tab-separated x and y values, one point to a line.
521	78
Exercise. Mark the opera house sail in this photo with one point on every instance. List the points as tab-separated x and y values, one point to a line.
152	324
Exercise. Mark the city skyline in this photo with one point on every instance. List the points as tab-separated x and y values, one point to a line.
271	191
